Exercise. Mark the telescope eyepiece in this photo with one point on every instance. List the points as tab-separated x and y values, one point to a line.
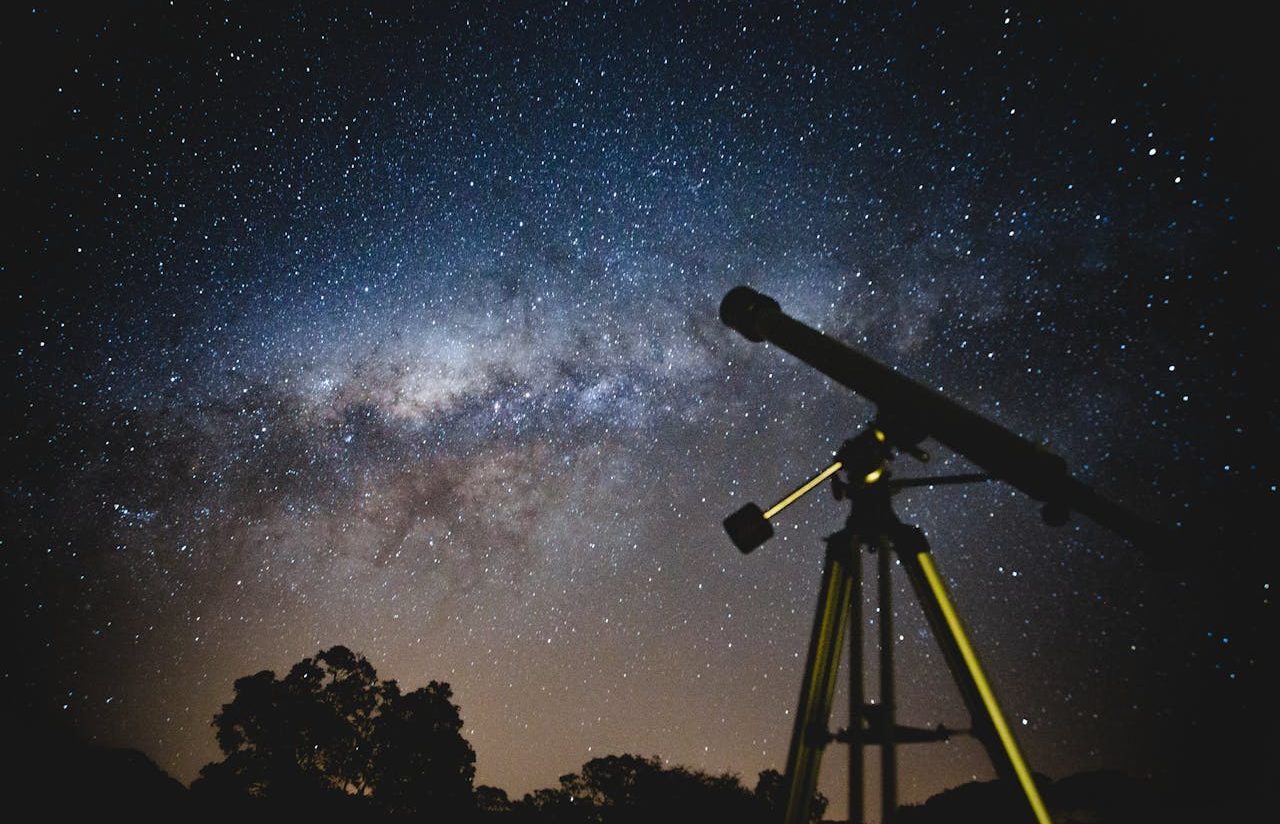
745	310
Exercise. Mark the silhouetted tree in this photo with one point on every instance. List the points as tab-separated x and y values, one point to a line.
555	805
275	735
492	801
771	795
422	760
331	730
629	788
355	700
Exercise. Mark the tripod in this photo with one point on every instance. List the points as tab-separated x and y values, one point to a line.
873	524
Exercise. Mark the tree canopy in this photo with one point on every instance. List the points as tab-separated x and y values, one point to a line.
330	728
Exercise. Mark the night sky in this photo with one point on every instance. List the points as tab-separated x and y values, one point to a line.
398	330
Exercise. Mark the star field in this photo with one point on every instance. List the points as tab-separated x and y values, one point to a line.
397	329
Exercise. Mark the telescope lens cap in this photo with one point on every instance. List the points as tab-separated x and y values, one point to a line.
744	308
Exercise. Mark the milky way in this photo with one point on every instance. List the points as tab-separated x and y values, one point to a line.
398	330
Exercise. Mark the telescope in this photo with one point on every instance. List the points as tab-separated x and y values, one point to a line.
910	412
906	414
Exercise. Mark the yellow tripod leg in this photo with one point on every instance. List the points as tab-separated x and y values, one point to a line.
808	736
969	676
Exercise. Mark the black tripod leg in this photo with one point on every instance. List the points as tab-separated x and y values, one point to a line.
813	713
888	709
989	725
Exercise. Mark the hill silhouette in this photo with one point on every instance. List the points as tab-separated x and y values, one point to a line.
65	781
1092	797
331	741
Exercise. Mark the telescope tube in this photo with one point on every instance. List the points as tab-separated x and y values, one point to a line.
910	412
